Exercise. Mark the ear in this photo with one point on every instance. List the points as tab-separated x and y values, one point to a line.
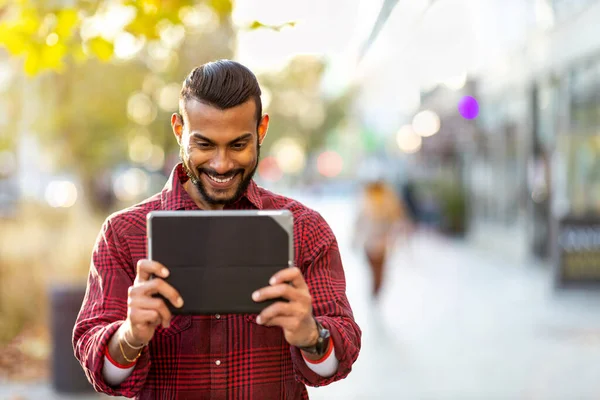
263	127
177	125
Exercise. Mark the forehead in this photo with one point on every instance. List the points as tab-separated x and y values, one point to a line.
215	123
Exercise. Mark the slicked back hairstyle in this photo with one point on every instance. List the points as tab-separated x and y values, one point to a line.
221	84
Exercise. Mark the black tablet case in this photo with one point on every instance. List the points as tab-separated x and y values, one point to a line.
217	259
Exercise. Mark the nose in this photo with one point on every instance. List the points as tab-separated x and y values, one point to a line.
221	163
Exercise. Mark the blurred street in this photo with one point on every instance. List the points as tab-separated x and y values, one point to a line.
454	322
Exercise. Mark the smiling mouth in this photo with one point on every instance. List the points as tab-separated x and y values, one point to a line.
220	183
220	180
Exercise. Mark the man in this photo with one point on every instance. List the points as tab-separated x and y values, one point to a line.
127	341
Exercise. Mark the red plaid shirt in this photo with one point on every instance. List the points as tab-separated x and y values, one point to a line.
212	356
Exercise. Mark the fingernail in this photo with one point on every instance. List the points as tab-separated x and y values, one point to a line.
179	302
259	320
255	295
272	281
164	272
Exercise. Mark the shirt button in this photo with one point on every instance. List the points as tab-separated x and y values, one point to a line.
218	316
218	362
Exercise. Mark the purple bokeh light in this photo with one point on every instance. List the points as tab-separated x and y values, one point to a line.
468	107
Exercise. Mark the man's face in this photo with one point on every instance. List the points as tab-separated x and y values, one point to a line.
219	148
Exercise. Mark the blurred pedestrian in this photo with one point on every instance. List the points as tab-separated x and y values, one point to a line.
381	219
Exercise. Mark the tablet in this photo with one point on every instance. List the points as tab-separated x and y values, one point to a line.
217	259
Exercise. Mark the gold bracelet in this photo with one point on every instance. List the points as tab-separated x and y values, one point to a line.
125	356
130	345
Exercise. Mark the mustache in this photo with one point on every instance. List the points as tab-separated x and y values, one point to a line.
214	173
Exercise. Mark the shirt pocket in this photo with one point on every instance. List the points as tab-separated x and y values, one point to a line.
264	337
179	323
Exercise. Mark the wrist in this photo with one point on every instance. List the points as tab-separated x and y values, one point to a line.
132	343
314	336
319	344
128	339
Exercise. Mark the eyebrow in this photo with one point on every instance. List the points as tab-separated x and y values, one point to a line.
245	136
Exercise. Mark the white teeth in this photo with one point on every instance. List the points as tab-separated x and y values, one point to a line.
220	180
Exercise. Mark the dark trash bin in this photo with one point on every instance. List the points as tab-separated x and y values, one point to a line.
67	374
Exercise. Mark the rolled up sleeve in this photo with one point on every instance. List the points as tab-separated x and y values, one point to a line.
103	311
323	271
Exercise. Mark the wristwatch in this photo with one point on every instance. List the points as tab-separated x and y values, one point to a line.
322	344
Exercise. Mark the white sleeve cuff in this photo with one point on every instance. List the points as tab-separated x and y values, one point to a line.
114	375
326	367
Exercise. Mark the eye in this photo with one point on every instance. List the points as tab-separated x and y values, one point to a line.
238	146
203	145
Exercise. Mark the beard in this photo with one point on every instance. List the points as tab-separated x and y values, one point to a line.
202	189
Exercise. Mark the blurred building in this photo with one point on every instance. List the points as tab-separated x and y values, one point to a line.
537	171
529	164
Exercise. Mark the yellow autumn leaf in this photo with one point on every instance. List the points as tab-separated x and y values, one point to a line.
223	8
15	42
255	25
32	63
66	20
51	57
29	22
143	25
101	48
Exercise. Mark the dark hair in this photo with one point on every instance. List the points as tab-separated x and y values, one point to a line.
222	84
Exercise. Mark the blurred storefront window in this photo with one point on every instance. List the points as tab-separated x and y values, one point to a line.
581	146
563	9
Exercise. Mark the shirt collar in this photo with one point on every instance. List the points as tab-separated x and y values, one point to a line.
174	196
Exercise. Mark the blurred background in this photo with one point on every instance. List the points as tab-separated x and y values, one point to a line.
482	116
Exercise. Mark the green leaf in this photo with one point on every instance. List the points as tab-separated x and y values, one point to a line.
101	48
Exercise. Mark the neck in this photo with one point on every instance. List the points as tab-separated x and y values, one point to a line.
192	190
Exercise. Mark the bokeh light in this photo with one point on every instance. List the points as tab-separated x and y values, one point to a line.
140	149
468	107
168	97
269	170
456	82
61	194
156	161
131	184
141	109
290	155
408	141
127	46
330	164
426	123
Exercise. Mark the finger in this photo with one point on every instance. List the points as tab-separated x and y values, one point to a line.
275	310
151	303
147	268
159	286
291	275
284	322
143	318
272	292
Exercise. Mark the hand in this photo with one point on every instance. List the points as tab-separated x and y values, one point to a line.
294	317
144	312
